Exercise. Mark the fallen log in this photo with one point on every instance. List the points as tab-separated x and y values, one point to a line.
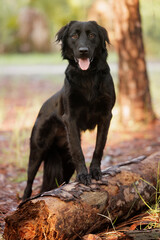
73	210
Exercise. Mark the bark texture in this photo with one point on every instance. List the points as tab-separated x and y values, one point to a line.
134	92
74	210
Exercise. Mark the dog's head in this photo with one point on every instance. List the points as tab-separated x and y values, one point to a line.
83	43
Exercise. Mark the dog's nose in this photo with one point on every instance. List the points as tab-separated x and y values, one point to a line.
83	50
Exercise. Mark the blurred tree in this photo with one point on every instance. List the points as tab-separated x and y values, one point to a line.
134	93
97	11
60	12
57	13
33	33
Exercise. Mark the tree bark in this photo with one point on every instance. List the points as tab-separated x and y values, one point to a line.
134	93
73	210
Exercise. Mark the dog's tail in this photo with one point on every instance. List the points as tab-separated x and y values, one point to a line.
53	170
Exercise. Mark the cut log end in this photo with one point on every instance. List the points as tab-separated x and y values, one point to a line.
22	223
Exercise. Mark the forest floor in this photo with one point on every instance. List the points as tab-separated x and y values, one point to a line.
20	100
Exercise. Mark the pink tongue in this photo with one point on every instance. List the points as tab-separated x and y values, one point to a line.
84	63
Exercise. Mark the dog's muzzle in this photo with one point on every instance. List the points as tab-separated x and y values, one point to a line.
83	60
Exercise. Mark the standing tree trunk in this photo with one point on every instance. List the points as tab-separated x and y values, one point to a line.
134	94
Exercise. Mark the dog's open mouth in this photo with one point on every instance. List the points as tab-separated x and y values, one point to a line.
83	63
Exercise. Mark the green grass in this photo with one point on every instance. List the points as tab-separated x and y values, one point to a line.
30	58
51	58
40	58
154	209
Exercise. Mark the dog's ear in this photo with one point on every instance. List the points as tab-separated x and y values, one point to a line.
61	36
62	33
103	34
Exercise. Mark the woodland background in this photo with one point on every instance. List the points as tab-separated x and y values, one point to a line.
31	70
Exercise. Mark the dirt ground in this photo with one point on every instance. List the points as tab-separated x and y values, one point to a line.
123	145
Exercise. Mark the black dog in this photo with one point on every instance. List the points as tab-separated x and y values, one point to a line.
86	100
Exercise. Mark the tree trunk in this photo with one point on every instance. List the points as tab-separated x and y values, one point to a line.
134	94
73	210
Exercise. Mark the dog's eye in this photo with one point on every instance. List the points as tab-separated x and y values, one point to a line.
75	36
91	35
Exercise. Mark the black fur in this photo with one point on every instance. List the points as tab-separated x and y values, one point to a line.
86	100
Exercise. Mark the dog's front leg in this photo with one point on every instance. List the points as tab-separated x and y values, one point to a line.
102	133
73	135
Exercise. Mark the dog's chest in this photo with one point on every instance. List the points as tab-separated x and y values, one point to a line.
85	97
88	105
90	92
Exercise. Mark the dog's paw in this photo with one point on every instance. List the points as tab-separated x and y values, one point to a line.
84	178
96	174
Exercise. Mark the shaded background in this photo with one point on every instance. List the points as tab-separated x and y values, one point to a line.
27	24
